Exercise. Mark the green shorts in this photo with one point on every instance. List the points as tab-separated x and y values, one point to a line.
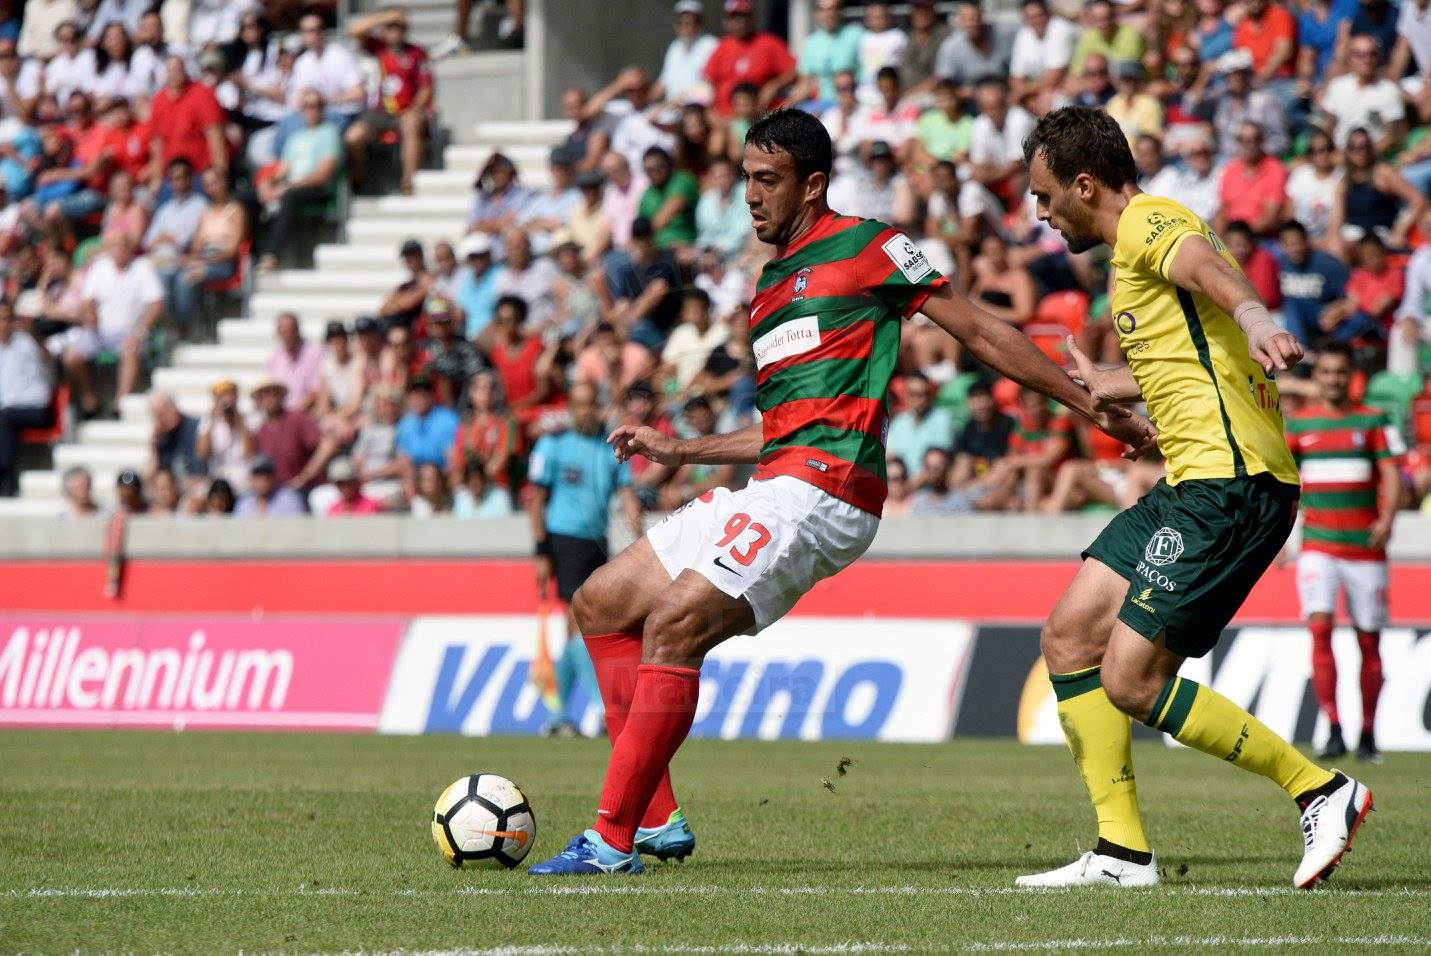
1192	552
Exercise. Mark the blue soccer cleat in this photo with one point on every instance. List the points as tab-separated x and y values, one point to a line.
589	855
672	840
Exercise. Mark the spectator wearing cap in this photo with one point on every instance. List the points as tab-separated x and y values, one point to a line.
1136	111
499	201
722	217
625	185
224	442
342	387
25	392
267	495
996	140
185	122
887	115
1042	51
1239	102
589	223
288	436
1365	99
681	79
343	476
426	431
405	93
747	55
975	50
551	210
129	493
477	284
927	33
449	360
691	341
122	299
669	201
528	277
306	173
403	305
296	364
1311	283
1104	36
1254	185
173	442
831	48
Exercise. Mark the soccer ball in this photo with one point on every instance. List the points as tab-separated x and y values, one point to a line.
483	820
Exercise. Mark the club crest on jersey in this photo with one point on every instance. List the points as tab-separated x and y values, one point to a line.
802	279
907	257
1164	548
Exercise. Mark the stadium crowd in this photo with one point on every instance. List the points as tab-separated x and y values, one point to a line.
1296	128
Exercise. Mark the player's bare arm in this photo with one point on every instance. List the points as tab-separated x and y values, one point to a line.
1388	499
1199	268
1007	350
1109	385
733	448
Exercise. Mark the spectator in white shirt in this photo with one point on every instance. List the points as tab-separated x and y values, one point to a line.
881	45
72	68
996	141
528	278
691	341
330	70
1312	188
682	78
887	118
1412	49
41	19
1363	99
633	129
1195	183
25	391
126	13
1043	48
122	300
1412	325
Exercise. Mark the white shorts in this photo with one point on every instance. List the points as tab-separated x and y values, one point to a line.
1320	576
84	341
769	542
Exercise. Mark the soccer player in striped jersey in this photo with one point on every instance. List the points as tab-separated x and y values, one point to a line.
1166	576
1347	454
825	330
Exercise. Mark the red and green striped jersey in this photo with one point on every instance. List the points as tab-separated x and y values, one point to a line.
1337	452
824	330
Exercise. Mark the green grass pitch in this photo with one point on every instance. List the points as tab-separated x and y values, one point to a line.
205	843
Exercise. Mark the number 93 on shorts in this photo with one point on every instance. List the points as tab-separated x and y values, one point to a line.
769	542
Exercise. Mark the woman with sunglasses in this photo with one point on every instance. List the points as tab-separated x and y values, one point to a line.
1372	198
1312	188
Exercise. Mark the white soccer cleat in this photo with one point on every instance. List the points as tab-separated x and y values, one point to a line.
1095	869
1328	825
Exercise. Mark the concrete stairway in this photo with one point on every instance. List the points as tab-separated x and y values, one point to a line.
349	280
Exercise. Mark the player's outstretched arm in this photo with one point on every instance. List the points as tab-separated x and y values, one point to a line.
1006	349
733	448
1108	386
1198	268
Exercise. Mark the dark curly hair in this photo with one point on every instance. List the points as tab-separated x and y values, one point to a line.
1076	139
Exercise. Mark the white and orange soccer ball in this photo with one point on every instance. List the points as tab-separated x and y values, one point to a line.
483	820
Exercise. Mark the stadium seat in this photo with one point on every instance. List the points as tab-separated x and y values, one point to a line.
1058	315
55	433
1393	394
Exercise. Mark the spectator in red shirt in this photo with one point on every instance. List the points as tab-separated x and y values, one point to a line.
96	146
1040	443
351	500
1375	287
289	437
514	355
746	56
1269	33
1256	262
405	93
185	122
1253	188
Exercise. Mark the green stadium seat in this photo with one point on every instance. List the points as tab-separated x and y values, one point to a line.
1392	393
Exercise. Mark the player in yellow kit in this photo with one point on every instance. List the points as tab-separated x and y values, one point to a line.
1164	578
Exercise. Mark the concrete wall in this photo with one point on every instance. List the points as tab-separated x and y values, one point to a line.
980	536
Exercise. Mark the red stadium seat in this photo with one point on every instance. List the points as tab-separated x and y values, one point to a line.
1421	420
55	433
1057	317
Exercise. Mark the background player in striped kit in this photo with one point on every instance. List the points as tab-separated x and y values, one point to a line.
825	330
1350	489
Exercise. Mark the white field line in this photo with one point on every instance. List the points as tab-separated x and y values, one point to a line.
636	889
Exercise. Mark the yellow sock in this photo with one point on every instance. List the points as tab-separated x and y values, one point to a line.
1101	739
1205	720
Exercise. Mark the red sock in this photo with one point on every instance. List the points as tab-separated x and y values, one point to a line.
1324	669
662	709
1370	644
616	657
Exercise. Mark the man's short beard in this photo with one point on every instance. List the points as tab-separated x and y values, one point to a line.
1081	242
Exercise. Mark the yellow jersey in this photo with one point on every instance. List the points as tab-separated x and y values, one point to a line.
1216	410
